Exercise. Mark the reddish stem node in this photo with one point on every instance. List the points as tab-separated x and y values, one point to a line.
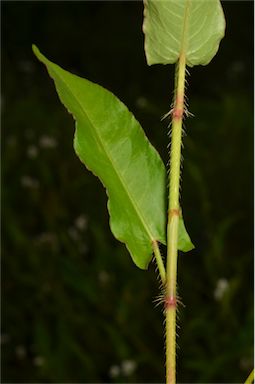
170	302
173	212
177	113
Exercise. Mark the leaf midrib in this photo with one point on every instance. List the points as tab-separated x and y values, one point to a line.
183	46
140	216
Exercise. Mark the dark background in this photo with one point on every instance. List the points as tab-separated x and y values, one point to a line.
75	308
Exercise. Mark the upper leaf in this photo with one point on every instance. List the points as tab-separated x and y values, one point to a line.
190	27
112	144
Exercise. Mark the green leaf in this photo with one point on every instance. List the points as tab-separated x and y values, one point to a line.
111	143
184	242
190	27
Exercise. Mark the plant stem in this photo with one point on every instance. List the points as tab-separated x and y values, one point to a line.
250	378
173	221
159	261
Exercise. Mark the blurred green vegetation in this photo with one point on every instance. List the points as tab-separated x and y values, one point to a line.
74	306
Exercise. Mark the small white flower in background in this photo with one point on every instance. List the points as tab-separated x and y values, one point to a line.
29	182
32	152
103	277
114	371
128	367
47	142
20	351
221	287
141	102
81	222
39	361
47	238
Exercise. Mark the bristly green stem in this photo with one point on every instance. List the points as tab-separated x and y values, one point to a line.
173	221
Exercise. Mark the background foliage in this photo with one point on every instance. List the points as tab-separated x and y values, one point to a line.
75	308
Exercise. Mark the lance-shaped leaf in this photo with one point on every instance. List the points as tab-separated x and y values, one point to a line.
193	28
111	143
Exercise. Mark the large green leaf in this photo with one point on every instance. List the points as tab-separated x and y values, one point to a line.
190	27
112	144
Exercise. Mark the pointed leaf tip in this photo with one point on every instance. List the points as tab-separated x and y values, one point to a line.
39	55
36	51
